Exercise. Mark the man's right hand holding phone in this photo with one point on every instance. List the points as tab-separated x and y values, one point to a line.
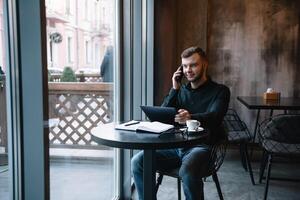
176	79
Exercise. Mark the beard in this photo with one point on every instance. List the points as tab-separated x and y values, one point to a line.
197	77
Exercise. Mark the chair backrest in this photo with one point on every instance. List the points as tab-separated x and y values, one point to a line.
281	128
235	127
217	156
233	122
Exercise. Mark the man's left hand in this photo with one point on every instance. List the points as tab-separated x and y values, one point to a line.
182	116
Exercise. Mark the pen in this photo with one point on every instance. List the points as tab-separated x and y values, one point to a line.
132	123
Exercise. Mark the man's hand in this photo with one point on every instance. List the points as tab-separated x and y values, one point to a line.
182	116
176	78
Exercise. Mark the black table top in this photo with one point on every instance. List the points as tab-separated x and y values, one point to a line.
107	135
258	102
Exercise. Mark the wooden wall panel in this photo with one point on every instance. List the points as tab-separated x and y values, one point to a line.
164	47
178	25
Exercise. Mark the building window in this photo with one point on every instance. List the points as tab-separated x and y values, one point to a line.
88	51
70	49
86	9
68	7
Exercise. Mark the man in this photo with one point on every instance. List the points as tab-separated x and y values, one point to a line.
106	68
200	99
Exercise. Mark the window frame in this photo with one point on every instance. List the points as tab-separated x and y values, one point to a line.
136	35
28	158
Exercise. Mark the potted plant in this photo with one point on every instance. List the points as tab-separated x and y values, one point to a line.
68	75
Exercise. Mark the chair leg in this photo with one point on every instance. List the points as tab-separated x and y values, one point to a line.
263	163
216	180
268	175
243	159
179	188
249	164
158	182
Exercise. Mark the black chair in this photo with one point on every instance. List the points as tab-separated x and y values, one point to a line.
279	136
238	133
215	161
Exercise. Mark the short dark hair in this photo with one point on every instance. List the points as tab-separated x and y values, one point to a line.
191	50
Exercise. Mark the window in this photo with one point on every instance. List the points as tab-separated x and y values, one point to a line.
70	49
68	7
73	158
103	15
88	52
75	108
86	9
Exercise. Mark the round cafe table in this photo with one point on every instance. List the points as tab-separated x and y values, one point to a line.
107	135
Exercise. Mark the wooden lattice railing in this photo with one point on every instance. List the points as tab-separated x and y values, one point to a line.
79	107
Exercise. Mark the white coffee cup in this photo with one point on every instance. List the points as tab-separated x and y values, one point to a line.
192	124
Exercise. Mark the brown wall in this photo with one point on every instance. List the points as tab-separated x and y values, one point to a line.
178	25
251	44
164	46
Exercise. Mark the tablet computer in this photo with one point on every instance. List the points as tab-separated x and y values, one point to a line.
160	114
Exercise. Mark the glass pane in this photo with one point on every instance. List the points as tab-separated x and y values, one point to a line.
80	70
4	175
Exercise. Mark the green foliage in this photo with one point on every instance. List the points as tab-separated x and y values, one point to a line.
68	75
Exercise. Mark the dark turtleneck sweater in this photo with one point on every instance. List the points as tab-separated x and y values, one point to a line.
208	104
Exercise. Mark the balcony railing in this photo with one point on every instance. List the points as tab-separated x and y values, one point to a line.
79	107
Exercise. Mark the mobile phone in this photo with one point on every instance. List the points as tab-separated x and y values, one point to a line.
179	78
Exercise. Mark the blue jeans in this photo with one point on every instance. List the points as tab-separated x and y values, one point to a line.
193	163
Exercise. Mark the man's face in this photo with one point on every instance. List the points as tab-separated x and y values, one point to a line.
194	67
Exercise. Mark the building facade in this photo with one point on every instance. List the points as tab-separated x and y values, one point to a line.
78	32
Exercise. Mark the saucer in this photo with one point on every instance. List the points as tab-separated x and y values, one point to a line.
198	130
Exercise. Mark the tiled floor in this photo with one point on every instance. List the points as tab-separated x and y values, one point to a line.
92	179
236	184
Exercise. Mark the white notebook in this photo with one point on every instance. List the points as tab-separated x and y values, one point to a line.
153	127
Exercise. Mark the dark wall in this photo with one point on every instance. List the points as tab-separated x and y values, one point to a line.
164	47
178	24
251	44
254	45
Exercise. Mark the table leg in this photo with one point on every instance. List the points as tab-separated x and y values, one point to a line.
255	131
271	113
256	125
149	174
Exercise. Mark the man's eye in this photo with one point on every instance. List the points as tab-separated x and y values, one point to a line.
193	65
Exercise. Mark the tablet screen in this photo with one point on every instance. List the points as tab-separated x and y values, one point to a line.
161	114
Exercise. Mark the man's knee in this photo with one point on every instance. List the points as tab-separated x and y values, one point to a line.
195	167
137	162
